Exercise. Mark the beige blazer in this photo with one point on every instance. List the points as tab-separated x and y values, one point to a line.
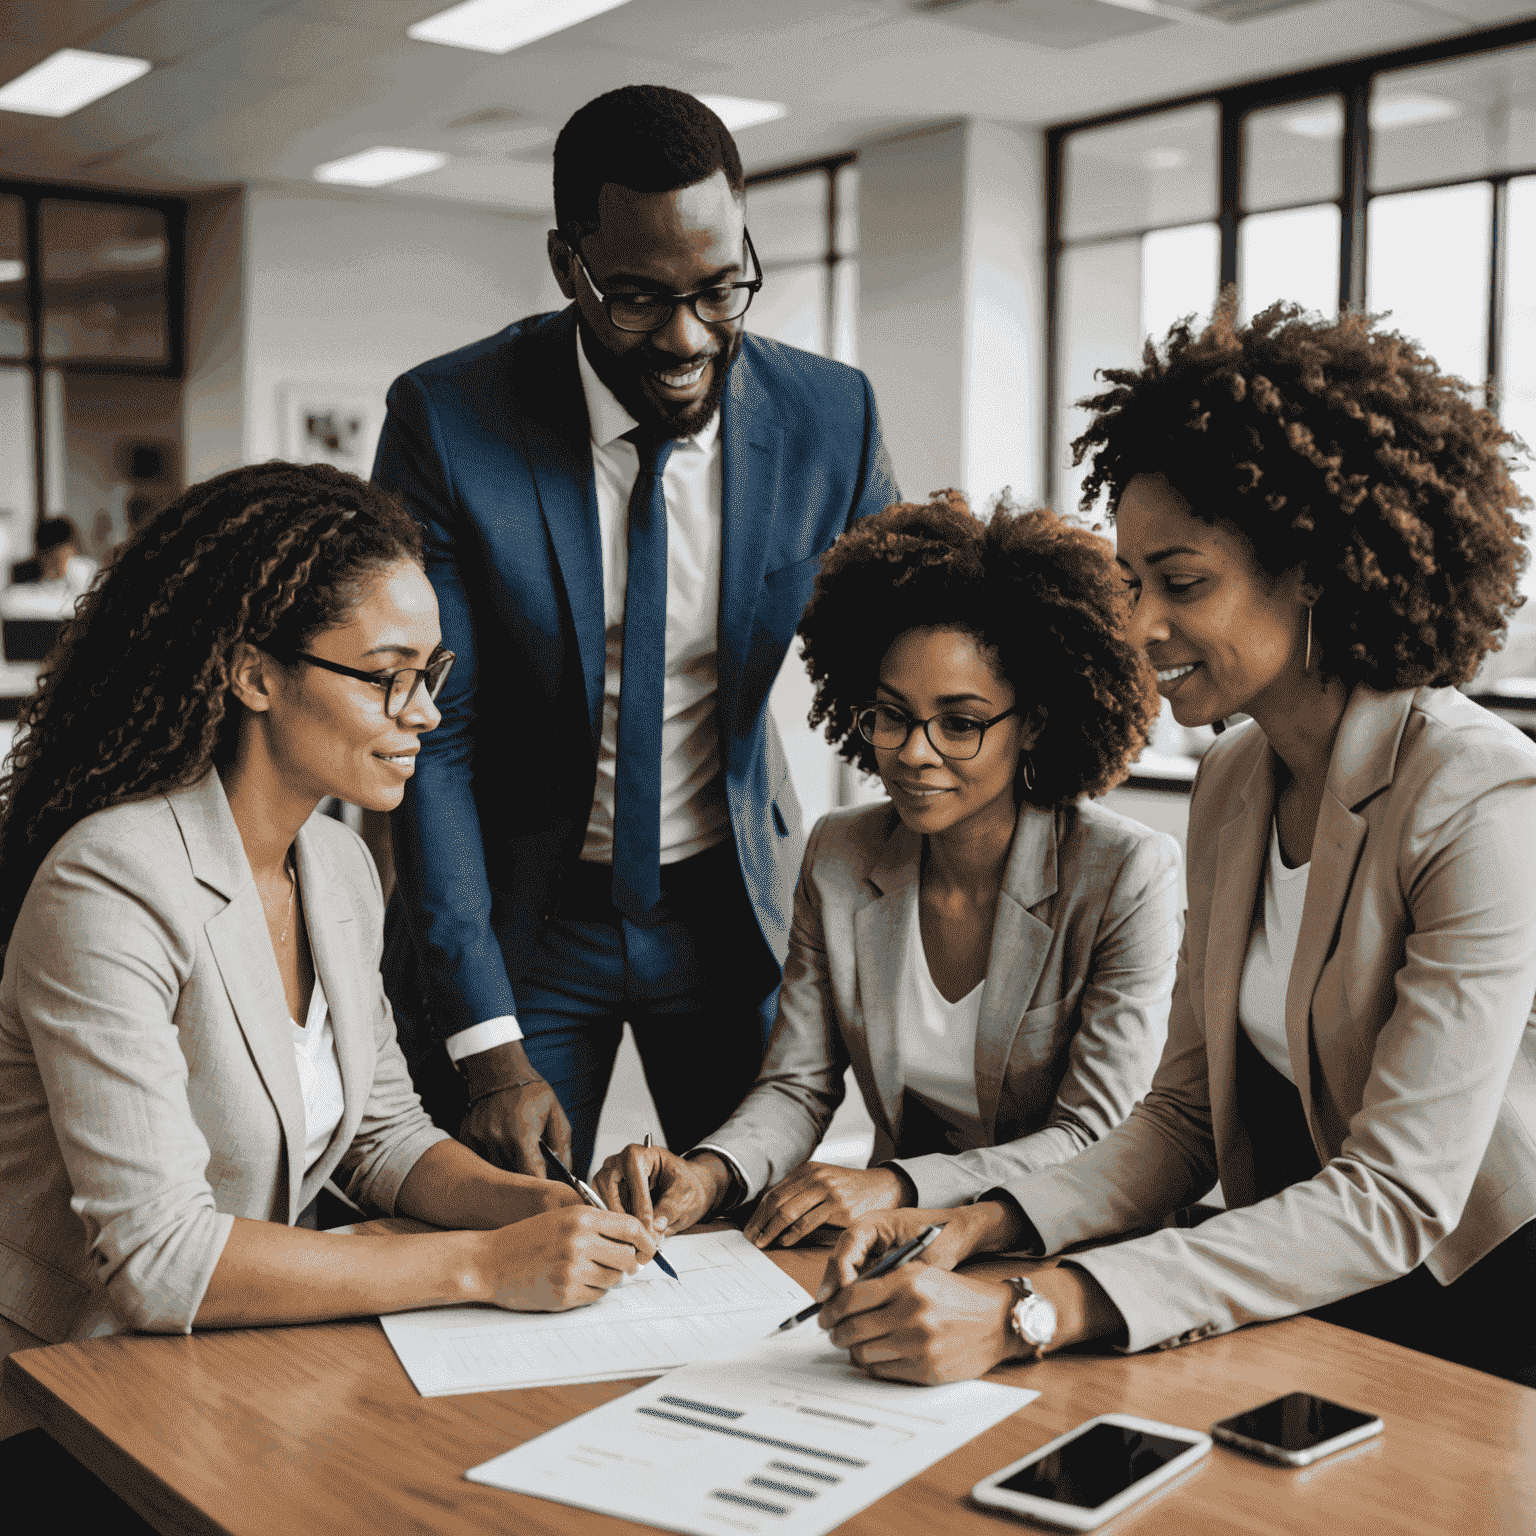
148	1091
1074	1009
1409	1020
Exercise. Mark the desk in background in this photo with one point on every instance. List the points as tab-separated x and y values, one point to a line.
318	1430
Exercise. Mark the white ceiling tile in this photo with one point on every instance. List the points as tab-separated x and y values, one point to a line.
171	29
385	15
284	47
51	24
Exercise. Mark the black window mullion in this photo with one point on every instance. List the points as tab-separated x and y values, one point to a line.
829	299
34	246
1498	267
1055	150
1230	179
1356	149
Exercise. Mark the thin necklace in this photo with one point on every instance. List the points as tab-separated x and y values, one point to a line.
292	886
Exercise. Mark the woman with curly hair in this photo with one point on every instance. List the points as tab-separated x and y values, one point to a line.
1318	527
991	951
193	1035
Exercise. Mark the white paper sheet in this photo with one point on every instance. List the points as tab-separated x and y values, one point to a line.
785	1437
727	1294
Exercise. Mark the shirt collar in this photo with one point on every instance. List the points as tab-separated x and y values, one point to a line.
610	421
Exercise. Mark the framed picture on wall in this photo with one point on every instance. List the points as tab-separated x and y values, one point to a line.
330	424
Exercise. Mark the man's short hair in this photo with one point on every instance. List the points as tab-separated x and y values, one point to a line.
648	138
53	531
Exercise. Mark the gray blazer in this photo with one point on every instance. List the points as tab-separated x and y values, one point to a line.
1408	1015
1074	1010
148	1091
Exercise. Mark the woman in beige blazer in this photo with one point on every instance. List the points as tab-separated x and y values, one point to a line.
193	1035
1317	524
990	951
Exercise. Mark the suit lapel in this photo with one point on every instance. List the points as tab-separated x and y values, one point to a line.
879	933
557	440
1020	943
751	453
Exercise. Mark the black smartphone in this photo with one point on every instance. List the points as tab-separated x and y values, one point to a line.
1296	1429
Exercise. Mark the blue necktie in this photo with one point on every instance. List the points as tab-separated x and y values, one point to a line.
637	771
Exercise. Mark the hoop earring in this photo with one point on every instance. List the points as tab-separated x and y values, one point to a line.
1306	665
1029	774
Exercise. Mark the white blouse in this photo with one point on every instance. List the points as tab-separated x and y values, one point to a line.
314	1053
935	1038
1271	949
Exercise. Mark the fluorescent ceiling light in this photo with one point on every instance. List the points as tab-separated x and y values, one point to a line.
1321	122
11	270
738	112
1327	120
68	80
380	165
499	26
1164	159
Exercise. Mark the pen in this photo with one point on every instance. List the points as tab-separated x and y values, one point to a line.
882	1266
589	1194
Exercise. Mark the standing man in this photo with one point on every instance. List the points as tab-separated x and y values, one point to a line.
625	504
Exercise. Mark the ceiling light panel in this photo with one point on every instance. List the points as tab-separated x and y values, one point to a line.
738	112
499	26
379	166
68	80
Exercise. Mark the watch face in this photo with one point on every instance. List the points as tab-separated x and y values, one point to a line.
1037	1320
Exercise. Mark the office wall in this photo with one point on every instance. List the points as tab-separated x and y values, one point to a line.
213	391
351	291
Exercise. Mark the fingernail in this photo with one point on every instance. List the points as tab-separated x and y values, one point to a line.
660	1221
825	1291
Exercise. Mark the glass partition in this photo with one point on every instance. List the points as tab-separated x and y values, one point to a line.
15	340
104	282
1154	170
1293	154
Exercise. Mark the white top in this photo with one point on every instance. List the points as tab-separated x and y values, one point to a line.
314	1053
694	812
1267	966
935	1038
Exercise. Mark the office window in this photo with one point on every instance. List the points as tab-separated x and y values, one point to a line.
104	282
1518	340
15	338
1154	171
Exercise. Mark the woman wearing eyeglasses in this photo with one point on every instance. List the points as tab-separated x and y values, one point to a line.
991	951
193	1037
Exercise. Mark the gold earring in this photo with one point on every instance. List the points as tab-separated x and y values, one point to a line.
1029	774
1306	665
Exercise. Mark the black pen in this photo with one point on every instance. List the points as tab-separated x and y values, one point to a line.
590	1195
882	1266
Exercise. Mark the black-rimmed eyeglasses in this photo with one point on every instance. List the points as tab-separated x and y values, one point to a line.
651	311
950	734
399	686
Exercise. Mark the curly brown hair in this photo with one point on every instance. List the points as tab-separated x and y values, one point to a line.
1041	597
134	698
1337	449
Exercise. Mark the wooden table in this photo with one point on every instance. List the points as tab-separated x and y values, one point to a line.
317	1429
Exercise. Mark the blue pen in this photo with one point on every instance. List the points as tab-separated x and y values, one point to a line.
590	1195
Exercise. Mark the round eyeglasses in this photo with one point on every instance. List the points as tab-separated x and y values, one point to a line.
399	686
651	311
952	735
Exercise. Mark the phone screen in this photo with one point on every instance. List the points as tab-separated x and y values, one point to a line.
1096	1466
1296	1422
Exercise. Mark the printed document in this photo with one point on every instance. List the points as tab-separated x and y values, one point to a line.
727	1294
786	1436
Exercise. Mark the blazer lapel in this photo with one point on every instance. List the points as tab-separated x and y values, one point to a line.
1020	943
879	930
242	950
1241	848
751	454
557	439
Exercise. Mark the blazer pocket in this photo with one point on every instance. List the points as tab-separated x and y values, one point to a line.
1045	1020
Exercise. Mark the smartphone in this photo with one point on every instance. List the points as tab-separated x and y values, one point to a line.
1296	1429
1088	1475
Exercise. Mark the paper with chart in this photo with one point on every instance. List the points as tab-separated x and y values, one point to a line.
786	1437
727	1294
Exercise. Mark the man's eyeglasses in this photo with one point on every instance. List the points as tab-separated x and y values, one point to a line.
651	311
399	686
951	735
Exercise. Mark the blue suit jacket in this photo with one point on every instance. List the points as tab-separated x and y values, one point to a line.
490	448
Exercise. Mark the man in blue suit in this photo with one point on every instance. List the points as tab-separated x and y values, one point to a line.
624	504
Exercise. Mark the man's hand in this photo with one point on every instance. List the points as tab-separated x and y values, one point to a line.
667	1192
823	1195
512	1108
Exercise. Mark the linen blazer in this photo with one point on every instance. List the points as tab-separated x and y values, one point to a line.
1074	1009
491	450
148	1090
1408	1018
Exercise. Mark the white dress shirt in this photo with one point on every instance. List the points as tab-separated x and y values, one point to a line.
694	813
1267	965
314	1054
935	1038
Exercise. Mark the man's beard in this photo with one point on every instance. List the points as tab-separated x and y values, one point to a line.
622	375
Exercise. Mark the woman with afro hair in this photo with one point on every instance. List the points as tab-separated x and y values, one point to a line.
1318	529
193	1036
992	952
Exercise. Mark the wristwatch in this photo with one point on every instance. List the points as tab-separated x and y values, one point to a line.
1031	1317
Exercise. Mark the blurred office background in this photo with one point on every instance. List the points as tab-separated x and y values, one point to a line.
227	225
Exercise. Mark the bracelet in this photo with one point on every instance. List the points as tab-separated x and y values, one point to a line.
502	1088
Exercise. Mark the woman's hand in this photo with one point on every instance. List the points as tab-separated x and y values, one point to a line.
823	1195
565	1258
667	1192
968	1229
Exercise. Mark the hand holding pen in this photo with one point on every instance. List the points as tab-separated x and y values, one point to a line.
894	1259
589	1194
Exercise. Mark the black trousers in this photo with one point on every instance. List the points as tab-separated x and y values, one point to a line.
1484	1318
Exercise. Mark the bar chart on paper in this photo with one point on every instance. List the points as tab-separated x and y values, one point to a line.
727	1294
